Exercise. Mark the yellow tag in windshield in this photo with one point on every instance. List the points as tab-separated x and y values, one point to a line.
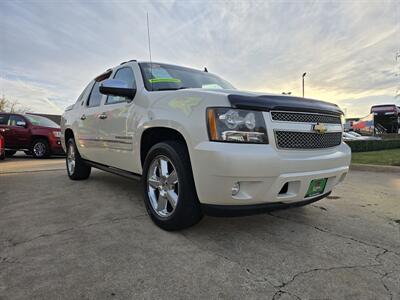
168	80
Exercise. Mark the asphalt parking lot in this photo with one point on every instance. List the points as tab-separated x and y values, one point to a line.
92	239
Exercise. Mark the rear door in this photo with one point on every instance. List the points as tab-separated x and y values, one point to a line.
115	134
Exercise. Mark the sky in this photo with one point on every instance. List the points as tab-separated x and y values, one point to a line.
50	50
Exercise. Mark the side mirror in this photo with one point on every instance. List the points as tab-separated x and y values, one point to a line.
21	123
115	87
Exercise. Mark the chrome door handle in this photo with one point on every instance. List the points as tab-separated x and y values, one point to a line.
103	116
83	117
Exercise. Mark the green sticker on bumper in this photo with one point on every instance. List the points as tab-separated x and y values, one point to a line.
317	187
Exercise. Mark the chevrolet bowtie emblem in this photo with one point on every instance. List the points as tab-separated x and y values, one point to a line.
320	128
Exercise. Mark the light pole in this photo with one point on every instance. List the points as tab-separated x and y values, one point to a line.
304	75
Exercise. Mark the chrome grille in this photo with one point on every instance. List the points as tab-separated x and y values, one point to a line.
304	117
307	140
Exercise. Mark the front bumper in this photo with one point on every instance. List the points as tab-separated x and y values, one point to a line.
244	210
262	171
56	147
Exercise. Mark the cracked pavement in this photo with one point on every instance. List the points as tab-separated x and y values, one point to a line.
93	240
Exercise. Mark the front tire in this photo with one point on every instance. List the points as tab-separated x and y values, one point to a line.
40	148
169	191
76	167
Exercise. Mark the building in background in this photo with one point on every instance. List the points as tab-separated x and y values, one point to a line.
348	125
365	125
382	119
386	118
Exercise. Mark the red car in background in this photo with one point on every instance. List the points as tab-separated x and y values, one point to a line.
2	149
35	135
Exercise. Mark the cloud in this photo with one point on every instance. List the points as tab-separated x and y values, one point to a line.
52	50
35	97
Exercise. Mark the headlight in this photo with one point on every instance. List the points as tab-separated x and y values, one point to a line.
57	134
236	125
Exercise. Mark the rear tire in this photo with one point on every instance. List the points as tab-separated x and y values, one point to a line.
76	167
9	153
40	148
169	190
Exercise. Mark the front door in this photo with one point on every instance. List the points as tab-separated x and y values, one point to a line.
88	122
115	128
19	133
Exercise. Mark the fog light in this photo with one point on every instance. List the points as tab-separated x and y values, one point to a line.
235	188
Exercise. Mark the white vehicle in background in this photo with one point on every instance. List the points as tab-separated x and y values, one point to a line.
351	135
201	146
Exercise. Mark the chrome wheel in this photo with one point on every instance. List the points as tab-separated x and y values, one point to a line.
71	159
39	149
163	186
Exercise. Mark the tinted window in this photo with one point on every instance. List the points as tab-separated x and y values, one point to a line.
95	95
126	75
41	121
4	119
14	119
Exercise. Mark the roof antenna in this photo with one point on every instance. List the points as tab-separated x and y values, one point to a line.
205	69
148	38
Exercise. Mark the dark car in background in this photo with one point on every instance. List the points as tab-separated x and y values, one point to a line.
35	135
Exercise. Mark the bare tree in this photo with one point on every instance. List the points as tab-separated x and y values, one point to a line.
12	106
397	93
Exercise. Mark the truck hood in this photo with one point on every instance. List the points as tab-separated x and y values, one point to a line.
268	102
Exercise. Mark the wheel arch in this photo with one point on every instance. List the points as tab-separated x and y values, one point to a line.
39	137
68	134
157	134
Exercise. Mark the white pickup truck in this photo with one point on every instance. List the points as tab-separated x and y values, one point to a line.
201	146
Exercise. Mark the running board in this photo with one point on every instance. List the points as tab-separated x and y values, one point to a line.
113	170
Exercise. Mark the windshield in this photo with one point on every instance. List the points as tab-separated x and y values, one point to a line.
41	121
161	77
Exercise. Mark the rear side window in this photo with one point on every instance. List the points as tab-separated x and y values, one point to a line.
4	119
95	96
126	75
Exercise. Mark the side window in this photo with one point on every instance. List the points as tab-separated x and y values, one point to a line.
14	119
95	96
85	94
4	119
126	75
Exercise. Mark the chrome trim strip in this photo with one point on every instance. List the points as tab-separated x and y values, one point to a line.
107	141
303	113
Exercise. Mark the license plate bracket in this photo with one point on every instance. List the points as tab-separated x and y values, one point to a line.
316	187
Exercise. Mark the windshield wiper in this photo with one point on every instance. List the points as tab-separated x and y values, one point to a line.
172	89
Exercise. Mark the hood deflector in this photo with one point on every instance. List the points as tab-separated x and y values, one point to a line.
284	103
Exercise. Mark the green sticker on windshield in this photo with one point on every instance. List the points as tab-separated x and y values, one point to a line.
169	80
